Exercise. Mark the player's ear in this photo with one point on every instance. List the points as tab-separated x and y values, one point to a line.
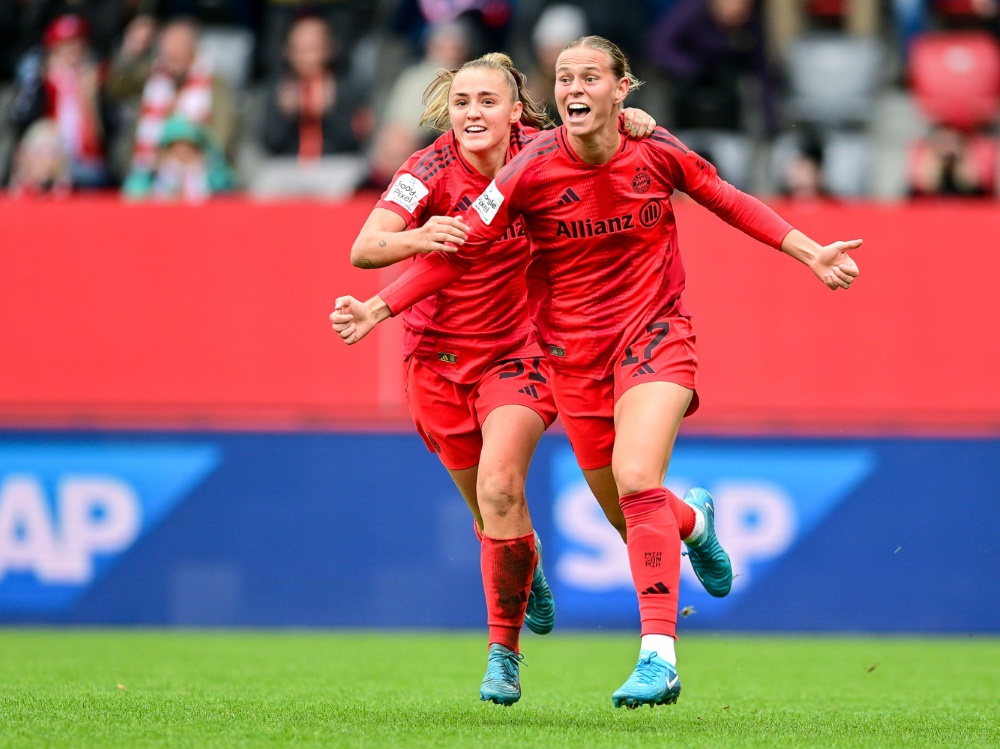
515	112
622	92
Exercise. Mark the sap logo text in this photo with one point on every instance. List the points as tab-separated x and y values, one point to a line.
93	515
768	498
756	522
70	512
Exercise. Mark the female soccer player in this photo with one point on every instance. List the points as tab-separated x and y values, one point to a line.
604	291
477	384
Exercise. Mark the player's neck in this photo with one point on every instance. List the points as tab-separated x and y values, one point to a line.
596	148
487	163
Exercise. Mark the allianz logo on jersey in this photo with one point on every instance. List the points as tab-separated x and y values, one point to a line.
767	500
69	511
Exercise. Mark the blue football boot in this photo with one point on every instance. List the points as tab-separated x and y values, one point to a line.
540	615
654	682
708	559
502	683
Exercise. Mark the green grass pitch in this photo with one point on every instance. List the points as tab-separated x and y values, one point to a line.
134	688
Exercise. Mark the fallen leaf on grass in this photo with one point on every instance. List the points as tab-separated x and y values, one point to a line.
872	667
122	687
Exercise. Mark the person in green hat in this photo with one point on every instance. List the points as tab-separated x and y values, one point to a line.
189	166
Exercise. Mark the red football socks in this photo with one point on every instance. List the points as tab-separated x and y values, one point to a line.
684	514
654	555
508	566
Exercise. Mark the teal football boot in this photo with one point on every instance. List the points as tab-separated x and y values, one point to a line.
654	682
502	682
540	615
708	559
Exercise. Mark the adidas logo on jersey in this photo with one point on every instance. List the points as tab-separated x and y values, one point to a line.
530	390
569	197
464	203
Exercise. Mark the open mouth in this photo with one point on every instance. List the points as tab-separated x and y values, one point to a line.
475	129
577	111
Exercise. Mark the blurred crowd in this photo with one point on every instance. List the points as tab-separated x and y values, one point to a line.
817	100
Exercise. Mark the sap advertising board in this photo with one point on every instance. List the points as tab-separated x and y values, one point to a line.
766	502
266	530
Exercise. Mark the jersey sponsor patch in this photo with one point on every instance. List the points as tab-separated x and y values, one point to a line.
407	192
488	203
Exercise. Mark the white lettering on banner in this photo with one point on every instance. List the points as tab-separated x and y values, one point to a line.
407	192
96	514
488	203
755	521
603	565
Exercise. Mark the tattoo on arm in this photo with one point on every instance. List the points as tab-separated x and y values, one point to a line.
366	263
382	243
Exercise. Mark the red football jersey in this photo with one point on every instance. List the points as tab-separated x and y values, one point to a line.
605	261
453	332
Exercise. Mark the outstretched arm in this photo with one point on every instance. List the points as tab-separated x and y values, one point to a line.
384	239
831	263
353	320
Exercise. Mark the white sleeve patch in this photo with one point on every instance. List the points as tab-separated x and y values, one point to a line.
407	192
488	203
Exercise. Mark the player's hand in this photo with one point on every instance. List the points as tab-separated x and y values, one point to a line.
441	234
834	267
638	124
352	320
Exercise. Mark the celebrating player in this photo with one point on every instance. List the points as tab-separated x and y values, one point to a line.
604	291
478	388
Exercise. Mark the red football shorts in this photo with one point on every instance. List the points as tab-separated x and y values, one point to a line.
664	353
450	416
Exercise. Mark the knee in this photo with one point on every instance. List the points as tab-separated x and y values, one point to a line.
500	491
632	477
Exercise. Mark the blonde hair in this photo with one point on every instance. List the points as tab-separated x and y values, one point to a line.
619	62
436	95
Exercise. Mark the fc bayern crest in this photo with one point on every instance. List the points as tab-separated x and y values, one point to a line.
641	181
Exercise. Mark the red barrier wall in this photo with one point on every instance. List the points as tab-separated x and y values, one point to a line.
216	315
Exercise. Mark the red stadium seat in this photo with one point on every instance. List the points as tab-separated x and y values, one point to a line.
956	78
826	8
954	7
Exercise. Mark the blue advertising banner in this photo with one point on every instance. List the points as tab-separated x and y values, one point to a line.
246	529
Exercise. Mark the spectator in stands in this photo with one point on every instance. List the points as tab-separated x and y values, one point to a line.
952	163
348	20
63	83
41	166
392	146
556	27
310	112
447	47
27	20
802	176
176	83
703	47
787	19
188	166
